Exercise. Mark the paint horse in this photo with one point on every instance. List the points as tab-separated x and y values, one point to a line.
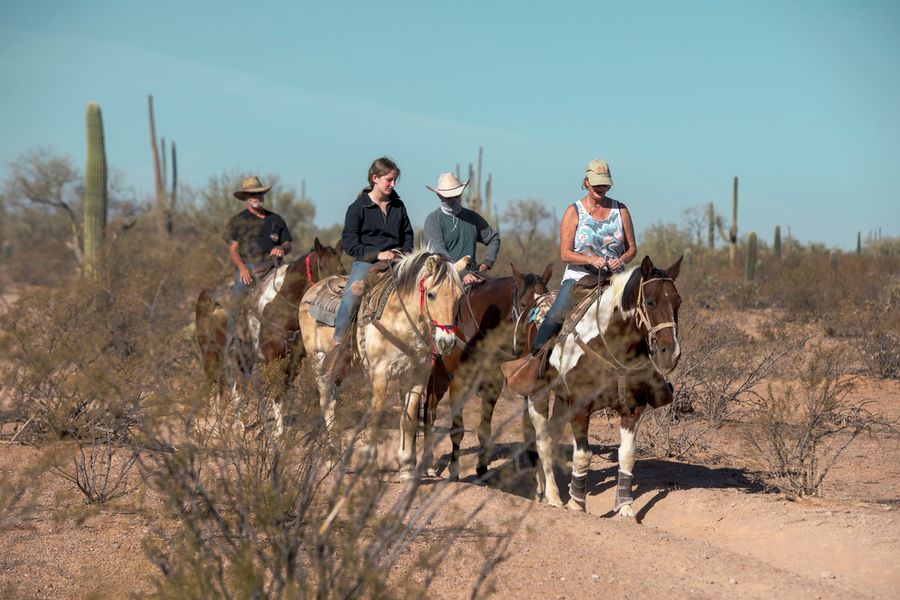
616	357
397	350
267	328
482	310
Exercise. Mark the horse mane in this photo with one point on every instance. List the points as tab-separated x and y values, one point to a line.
629	284
406	270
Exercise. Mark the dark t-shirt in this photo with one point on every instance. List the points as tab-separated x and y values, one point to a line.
256	237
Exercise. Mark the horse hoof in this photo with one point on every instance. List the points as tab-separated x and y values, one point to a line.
432	472
407	475
626	512
454	472
481	471
555	502
575	506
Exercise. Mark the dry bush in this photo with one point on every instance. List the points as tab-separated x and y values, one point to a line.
85	358
800	432
306	514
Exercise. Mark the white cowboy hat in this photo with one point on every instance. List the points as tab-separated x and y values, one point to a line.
448	186
251	186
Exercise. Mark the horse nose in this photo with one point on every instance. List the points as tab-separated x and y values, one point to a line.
444	342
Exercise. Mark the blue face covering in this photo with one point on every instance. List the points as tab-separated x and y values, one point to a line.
451	206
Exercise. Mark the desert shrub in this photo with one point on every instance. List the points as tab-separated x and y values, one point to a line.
798	433
85	359
664	243
305	514
879	350
721	363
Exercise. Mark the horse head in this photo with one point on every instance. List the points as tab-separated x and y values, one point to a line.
440	288
657	313
528	287
327	260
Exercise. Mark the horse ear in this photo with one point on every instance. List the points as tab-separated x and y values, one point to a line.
548	273
317	244
517	275
461	264
340	247
674	269
646	267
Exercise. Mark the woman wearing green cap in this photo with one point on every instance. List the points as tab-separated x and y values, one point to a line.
596	236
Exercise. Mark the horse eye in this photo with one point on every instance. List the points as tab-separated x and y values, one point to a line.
651	303
432	296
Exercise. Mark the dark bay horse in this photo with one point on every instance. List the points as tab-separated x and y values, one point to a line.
483	309
616	357
267	328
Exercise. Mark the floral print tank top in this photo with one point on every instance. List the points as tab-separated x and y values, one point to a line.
596	238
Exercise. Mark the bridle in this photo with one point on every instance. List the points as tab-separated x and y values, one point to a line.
423	309
643	320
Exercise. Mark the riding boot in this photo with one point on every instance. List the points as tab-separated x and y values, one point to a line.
522	374
336	362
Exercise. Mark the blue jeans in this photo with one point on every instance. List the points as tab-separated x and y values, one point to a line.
553	321
349	301
238	292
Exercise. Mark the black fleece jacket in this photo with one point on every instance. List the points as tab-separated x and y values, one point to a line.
368	231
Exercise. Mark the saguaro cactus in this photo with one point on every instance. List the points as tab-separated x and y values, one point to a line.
858	243
751	256
833	259
732	233
711	219
95	207
776	244
731	238
165	203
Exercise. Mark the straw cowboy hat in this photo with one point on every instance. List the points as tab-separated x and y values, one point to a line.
597	172
448	186
251	186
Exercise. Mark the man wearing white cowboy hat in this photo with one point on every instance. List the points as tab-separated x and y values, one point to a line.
256	238
452	230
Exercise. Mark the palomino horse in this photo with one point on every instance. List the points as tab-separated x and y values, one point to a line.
616	357
483	309
397	350
267	329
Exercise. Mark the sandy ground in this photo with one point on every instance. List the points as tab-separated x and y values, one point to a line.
701	531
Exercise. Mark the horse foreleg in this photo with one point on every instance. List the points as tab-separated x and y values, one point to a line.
409	422
326	392
628	426
485	443
430	413
581	460
457	429
538	410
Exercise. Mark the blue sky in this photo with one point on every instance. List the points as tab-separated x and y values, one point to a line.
801	100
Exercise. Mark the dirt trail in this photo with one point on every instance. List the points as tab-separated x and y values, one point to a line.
702	530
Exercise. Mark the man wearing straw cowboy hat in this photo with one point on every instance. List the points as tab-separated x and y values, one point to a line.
257	238
452	230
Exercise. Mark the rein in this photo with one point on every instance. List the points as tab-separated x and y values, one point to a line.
309	276
423	307
642	320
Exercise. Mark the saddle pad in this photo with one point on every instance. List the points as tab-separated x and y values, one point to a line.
584	297
379	285
324	303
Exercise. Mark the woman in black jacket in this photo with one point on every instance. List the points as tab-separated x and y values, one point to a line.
376	225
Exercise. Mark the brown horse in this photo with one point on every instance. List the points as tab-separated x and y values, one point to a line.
267	328
483	309
616	357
